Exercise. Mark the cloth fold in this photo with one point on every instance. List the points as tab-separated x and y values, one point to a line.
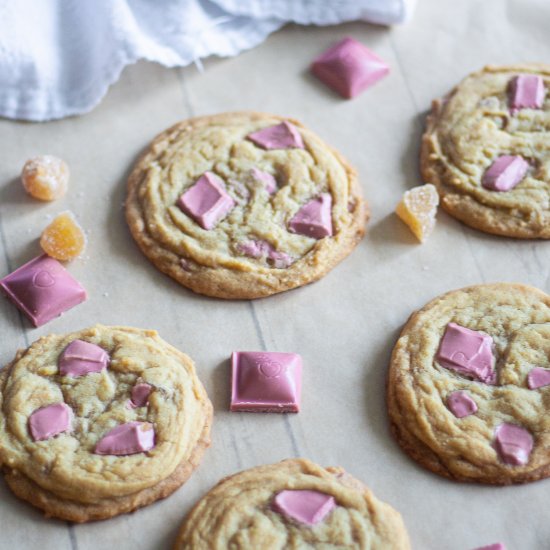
59	57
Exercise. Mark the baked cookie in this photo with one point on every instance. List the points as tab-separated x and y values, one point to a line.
244	205
100	422
292	504
469	385
487	149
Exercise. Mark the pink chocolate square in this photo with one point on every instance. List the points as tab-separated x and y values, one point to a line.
468	352
281	136
314	219
81	358
43	289
266	381
505	173
349	67
526	92
207	201
304	506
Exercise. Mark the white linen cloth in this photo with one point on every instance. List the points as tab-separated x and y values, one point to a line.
58	57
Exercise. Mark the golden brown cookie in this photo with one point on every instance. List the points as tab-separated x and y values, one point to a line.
291	504
244	205
492	132
469	384
100	422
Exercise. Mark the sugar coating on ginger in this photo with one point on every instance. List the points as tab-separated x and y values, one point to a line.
45	177
418	209
63	239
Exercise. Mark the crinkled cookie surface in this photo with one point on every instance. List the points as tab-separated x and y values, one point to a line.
62	474
213	261
517	318
238	513
472	126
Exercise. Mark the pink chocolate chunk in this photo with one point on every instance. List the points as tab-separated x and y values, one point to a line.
206	201
281	136
349	67
127	439
81	358
538	378
468	352
140	394
266	178
50	421
495	546
461	404
505	173
314	219
526	92
266	381
257	248
43	289
254	248
304	506
513	443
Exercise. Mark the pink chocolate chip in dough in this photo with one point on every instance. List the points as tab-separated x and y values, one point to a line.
49	421
140	394
257	248
304	506
265	381
254	248
468	352
461	404
281	136
505	173
43	289
314	219
495	546
513	443
266	178
538	378
127	439
280	259
349	67
81	358
206	201
526	92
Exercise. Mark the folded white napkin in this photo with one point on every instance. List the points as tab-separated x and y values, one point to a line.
58	57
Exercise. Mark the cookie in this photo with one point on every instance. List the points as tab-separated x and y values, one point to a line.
244	205
487	150
468	390
100	422
292	504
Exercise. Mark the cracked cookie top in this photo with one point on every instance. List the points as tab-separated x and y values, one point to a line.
292	504
242	205
487	149
102	413
469	384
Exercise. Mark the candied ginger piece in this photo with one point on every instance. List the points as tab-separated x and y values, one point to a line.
63	239
45	177
418	208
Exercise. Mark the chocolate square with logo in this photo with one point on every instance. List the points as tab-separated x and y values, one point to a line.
43	289
266	381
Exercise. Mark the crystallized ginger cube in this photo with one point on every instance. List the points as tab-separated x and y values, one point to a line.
418	208
63	239
45	177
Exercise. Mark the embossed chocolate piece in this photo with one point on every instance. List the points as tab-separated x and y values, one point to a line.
43	289
266	381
